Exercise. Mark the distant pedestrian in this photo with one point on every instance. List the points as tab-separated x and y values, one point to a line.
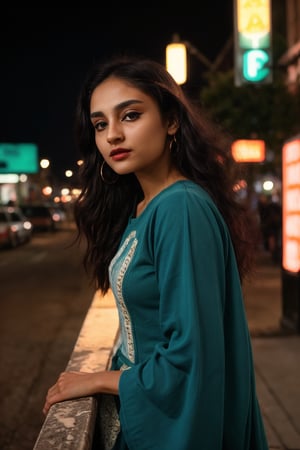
166	233
270	214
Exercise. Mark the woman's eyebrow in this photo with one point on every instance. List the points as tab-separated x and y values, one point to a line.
118	107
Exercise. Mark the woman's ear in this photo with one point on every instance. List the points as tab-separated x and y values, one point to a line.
173	126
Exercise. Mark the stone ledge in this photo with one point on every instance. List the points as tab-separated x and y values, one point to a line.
70	424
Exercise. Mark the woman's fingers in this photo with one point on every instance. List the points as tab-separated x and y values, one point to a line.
69	386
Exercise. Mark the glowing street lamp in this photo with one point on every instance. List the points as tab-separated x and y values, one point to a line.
68	173
176	58
44	163
47	190
176	61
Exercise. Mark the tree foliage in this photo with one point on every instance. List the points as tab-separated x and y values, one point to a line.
269	112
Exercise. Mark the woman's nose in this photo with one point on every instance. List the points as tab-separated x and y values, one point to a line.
114	133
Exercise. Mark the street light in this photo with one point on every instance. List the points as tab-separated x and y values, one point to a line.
44	163
176	57
176	61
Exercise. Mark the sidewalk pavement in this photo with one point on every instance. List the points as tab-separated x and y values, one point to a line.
276	356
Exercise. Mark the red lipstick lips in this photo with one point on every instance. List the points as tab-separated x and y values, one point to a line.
119	154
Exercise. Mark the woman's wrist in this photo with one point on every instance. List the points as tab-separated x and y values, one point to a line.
108	381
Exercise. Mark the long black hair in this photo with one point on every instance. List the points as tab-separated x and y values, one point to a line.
202	155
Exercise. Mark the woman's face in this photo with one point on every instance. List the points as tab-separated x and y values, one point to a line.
129	131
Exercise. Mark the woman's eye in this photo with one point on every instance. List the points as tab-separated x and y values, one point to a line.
131	115
100	125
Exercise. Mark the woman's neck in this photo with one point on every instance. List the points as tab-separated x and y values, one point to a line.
151	187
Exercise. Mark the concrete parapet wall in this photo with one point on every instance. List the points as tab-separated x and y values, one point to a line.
70	424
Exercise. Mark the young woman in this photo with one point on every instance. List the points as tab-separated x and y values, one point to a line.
167	234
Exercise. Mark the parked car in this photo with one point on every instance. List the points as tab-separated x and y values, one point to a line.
40	216
15	228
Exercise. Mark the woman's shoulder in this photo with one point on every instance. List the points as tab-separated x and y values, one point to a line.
186	200
183	199
183	192
186	206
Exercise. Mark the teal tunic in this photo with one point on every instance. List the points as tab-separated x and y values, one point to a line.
188	377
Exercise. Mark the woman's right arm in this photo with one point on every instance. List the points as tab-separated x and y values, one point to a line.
70	385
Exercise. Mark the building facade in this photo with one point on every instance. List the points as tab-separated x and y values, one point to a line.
291	58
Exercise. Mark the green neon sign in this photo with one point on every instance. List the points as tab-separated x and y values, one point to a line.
253	42
19	158
255	63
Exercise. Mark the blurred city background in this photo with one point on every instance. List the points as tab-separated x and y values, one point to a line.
241	62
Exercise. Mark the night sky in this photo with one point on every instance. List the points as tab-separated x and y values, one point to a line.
46	53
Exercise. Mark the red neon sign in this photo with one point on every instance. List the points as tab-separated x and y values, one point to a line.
291	205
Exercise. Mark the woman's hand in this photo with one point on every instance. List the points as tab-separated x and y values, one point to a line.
72	385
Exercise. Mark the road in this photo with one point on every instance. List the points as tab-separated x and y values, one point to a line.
45	295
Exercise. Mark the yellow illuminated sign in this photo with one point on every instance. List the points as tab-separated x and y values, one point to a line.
254	23
291	206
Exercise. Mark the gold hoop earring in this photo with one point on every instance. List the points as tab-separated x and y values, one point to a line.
105	180
173	144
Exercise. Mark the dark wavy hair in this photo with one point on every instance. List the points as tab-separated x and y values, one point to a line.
202	155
